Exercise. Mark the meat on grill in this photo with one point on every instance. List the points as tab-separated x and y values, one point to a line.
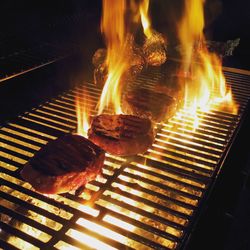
64	164
100	75
99	57
137	64
172	87
147	103
154	49
121	134
135	56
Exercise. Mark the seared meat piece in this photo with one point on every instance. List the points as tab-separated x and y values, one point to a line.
137	62
101	69
121	134
222	49
99	57
154	49
136	57
147	103
172	87
100	75
155	54
136	66
101	72
64	164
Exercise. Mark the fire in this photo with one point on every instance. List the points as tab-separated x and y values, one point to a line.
113	28
205	84
144	18
82	114
190	28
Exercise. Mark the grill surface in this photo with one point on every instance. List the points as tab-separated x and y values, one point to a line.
24	61
141	202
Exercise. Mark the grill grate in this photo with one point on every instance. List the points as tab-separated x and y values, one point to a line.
145	201
21	62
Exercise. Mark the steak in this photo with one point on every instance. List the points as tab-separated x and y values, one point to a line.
64	164
149	104
154	49
100	75
121	134
99	57
172	87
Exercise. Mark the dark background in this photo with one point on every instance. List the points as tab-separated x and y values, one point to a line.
25	23
224	20
231	23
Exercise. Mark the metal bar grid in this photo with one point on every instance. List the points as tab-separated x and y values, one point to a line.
21	62
147	201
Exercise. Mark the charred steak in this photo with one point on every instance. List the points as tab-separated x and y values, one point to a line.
121	134
147	103
173	87
64	164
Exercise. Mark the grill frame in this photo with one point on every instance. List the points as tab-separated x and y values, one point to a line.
75	212
204	208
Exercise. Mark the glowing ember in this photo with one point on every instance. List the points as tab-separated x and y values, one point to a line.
204	80
113	28
145	19
82	115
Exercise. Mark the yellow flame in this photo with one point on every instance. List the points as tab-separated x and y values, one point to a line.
82	114
205	85
113	27
145	18
191	27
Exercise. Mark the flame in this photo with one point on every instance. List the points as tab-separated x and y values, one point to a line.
113	28
82	114
145	18
205	84
190	28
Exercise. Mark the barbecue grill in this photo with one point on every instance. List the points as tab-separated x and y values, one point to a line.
148	201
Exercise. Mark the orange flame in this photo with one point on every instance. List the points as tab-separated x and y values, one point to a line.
82	114
190	28
207	86
145	18
113	27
